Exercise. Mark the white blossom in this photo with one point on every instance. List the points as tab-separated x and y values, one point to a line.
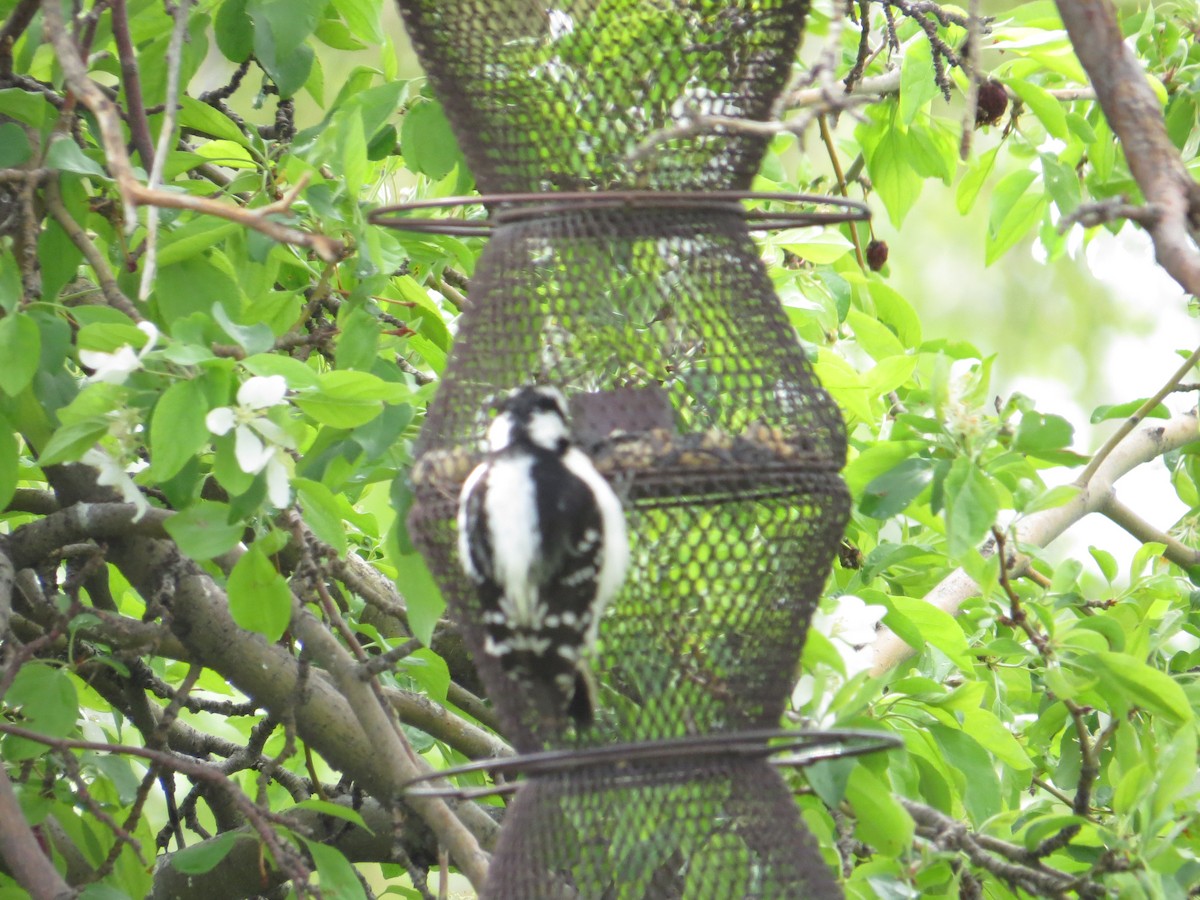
118	365
258	443
113	474
851	627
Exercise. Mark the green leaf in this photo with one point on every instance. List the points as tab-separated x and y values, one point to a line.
1038	433
896	313
280	29
1048	110
971	506
25	106
208	120
1062	183
975	766
259	597
892	492
104	892
20	349
177	429
252	338
320	510
937	628
362	17
49	703
875	460
1014	212
190	286
1125	410
1143	685
352	151
358	340
11	290
336	810
429	671
203	857
14	145
890	374
234	32
1055	497
874	336
421	593
66	156
973	181
426	141
988	731
9	462
203	530
893	176
297	374
1107	563
839	378
71	441
917	85
335	33
348	399
337	878
880	820
818	245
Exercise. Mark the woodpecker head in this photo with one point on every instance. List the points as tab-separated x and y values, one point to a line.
534	415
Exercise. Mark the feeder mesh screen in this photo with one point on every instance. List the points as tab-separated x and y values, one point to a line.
563	96
734	502
689	390
718	830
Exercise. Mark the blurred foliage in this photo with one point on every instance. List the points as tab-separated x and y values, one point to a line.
258	377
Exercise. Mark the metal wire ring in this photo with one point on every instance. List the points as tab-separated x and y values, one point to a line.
518	207
802	748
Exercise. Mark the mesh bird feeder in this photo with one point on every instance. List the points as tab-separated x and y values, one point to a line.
620	268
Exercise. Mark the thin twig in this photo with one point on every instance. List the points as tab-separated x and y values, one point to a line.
831	149
165	140
133	192
104	275
13	27
139	127
971	68
1138	415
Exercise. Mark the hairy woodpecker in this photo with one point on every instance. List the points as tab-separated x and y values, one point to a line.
542	536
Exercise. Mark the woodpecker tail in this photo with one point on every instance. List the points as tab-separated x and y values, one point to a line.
580	708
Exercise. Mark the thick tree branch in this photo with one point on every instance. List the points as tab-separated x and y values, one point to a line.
19	847
1136	119
1176	551
1043	527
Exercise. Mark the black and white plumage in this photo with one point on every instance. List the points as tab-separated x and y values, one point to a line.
542	536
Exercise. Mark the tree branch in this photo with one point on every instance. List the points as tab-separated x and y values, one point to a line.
21	851
1043	527
104	275
133	192
131	80
1176	551
12	29
1136	119
993	855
